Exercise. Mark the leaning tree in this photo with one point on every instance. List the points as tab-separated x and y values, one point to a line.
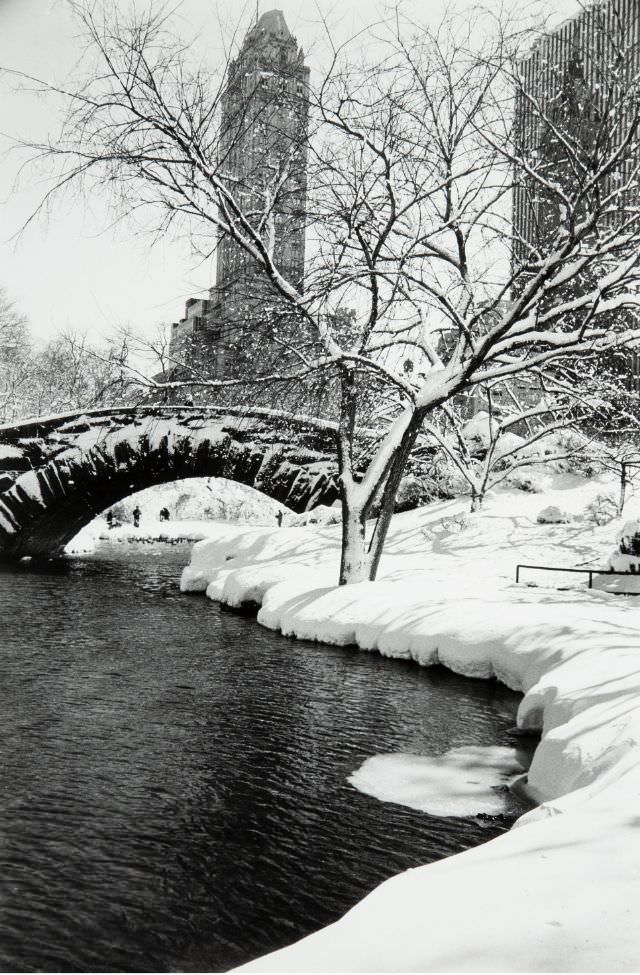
416	148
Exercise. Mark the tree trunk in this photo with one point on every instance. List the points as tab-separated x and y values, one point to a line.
477	498
387	503
623	487
354	558
354	561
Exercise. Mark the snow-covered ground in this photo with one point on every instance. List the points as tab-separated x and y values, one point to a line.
561	891
200	499
149	530
195	505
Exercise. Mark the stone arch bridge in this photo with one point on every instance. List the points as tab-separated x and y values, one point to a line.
58	473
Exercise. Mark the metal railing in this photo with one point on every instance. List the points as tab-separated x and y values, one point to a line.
588	572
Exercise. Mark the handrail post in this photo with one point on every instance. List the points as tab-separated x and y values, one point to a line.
590	573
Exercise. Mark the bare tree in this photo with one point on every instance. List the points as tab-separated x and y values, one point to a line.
15	359
562	416
68	372
413	159
72	372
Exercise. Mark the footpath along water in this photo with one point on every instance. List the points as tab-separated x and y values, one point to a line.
174	790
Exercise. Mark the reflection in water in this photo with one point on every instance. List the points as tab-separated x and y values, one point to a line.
174	777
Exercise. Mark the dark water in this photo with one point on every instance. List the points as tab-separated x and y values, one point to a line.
173	789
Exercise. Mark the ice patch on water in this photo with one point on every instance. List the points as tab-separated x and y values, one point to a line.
462	782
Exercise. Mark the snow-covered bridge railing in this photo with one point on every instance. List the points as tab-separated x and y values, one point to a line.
59	472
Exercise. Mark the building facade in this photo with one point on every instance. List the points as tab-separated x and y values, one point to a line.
262	155
567	84
571	112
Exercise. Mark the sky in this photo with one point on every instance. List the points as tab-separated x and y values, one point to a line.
72	267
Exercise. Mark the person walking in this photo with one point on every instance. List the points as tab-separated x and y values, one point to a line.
136	516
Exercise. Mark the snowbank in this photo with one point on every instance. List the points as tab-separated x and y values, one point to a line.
625	558
560	887
170	532
555	896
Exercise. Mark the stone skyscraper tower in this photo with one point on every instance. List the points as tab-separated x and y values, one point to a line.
262	153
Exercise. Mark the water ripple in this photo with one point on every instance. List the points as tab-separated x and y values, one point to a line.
173	779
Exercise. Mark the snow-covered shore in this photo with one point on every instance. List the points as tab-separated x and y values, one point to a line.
560	891
170	532
195	506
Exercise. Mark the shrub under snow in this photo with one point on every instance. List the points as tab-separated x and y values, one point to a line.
552	515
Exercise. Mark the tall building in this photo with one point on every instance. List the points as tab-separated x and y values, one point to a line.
569	82
262	155
575	107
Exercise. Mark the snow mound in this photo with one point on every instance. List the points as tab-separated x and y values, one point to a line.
627	536
463	782
621	562
533	479
480	429
552	515
510	443
626	558
322	515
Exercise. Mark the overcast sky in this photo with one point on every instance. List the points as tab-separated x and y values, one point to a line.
72	269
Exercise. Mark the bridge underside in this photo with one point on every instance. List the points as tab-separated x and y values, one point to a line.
56	480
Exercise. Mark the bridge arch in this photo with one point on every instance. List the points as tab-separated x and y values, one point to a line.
58	474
